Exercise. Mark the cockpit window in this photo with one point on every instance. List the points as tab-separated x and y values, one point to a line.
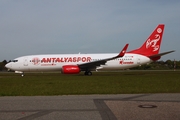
14	60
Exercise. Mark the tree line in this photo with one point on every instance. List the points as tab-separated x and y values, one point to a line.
2	65
158	65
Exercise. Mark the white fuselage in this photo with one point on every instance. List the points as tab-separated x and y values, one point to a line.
55	62
75	63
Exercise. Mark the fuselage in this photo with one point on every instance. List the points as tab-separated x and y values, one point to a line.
54	62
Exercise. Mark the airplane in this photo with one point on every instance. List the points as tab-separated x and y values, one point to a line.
75	63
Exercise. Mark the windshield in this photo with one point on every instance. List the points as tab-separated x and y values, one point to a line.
13	60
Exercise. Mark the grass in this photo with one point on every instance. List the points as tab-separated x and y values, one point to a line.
125	82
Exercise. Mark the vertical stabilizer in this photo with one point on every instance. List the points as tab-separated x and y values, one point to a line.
152	44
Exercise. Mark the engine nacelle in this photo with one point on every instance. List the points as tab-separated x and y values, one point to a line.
70	69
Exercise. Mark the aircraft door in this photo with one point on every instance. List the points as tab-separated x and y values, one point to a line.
25	61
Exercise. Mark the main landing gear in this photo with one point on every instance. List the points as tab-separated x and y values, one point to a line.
89	73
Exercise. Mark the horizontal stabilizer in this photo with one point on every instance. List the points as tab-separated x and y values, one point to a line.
158	56
161	54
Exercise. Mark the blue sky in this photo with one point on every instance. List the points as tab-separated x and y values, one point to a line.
88	26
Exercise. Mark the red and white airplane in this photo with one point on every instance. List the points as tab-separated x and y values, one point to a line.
75	63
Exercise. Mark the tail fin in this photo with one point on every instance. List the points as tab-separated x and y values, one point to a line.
152	44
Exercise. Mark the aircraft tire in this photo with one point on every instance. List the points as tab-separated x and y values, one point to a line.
89	73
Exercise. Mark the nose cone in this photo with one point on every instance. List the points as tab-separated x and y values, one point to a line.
8	65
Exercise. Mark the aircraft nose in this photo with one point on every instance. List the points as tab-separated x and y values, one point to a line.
8	65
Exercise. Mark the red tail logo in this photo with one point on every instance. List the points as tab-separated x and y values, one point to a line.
152	44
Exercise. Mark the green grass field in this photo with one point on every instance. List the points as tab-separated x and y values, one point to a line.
124	82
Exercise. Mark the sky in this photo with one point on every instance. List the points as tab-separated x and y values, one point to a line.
30	27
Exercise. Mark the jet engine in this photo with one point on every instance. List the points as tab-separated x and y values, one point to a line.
70	69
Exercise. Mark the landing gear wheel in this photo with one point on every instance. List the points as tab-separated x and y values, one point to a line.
89	73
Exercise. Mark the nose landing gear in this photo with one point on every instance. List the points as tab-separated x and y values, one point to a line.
22	75
20	72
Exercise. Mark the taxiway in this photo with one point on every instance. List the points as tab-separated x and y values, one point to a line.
88	107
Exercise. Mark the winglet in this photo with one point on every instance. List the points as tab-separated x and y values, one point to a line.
121	54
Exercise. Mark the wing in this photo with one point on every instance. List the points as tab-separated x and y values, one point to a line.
94	64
